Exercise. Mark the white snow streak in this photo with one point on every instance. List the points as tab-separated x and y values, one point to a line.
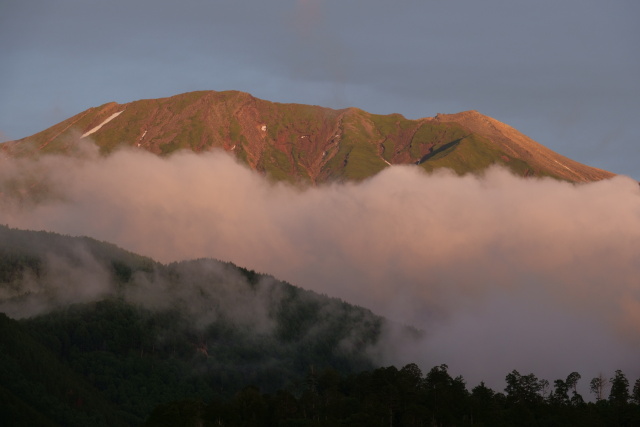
97	128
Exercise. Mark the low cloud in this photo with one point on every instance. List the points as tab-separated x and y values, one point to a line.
207	291
500	272
56	281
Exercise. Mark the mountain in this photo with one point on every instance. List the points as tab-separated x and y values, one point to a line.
96	332
307	143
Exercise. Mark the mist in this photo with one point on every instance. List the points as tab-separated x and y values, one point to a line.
65	275
500	272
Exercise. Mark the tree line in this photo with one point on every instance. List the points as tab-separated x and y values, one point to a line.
405	397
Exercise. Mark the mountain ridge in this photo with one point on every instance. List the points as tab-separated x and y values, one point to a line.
308	143
520	145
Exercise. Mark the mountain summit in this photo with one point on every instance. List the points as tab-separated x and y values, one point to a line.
308	143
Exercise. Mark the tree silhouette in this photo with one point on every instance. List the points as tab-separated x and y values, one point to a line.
619	394
598	387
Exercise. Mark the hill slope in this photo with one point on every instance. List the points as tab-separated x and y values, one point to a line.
307	143
128	333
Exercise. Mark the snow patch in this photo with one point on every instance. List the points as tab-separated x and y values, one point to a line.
97	128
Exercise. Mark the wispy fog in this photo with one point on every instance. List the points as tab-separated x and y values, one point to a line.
59	279
500	272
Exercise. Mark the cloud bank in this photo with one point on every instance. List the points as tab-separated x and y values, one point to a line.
500	272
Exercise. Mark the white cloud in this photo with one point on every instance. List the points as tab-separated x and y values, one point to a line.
501	272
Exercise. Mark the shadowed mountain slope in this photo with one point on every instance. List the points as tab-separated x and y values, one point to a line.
303	143
104	331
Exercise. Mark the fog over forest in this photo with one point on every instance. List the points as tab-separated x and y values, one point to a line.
499	271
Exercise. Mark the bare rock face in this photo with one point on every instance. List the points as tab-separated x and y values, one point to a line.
304	143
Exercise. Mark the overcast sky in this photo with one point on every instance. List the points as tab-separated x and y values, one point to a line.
564	72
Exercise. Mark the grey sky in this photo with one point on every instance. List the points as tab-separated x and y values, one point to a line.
565	73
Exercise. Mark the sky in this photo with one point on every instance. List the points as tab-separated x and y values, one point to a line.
564	72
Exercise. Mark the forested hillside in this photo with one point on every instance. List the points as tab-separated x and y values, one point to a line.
137	333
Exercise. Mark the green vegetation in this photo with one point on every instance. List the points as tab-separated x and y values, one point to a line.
361	161
357	156
390	124
338	145
126	130
234	129
277	165
432	136
241	153
184	101
171	147
471	153
289	121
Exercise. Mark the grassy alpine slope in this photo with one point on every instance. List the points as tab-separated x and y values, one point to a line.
303	143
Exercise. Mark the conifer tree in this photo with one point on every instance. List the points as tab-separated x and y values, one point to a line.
619	389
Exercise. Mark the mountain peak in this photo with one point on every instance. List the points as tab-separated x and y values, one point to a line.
298	142
516	144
